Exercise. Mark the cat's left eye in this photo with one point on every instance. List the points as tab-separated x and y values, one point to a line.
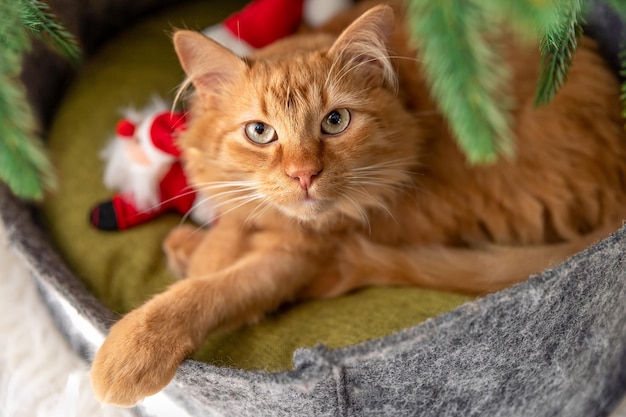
336	122
260	133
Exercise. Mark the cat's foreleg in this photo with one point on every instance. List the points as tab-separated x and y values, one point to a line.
143	350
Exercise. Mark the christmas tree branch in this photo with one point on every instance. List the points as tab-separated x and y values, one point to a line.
38	19
558	46
24	165
465	74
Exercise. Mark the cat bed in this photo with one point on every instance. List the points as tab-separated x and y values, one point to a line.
555	345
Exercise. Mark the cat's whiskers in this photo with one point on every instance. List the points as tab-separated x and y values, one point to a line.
193	208
244	200
258	211
379	172
232	187
361	190
229	200
241	201
360	210
386	184
209	185
390	163
391	178
230	192
383	170
166	201
180	91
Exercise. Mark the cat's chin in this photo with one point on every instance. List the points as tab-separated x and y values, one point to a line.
308	211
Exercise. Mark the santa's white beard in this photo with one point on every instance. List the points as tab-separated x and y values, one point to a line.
124	175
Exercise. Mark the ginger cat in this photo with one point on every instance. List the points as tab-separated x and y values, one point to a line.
332	170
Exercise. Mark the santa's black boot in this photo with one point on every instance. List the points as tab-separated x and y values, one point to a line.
103	216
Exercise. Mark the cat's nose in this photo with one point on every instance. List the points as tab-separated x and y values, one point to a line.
305	176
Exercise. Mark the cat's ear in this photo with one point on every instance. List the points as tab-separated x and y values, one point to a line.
208	65
364	44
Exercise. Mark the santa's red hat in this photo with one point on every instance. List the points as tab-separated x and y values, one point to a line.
259	24
165	129
264	21
158	131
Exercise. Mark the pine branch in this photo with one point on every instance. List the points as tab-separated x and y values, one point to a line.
23	163
558	46
465	74
39	20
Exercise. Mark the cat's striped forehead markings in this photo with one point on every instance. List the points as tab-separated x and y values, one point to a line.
290	93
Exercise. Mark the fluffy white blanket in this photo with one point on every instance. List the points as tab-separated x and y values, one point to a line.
40	376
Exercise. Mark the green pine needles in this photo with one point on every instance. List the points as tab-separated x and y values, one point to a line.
465	73
465	70
40	22
24	165
558	45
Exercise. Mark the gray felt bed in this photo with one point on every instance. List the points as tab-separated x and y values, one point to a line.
552	346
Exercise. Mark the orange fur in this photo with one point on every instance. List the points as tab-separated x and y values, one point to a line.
390	200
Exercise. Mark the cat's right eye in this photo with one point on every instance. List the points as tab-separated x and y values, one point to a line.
260	133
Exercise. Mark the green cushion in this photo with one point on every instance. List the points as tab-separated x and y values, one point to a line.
123	269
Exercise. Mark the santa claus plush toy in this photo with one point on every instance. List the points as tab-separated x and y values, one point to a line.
143	167
142	161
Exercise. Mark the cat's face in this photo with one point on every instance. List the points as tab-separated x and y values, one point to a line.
317	134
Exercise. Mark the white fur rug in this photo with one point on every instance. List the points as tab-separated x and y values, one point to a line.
40	376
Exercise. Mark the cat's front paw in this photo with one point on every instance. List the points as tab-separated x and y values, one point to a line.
136	360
